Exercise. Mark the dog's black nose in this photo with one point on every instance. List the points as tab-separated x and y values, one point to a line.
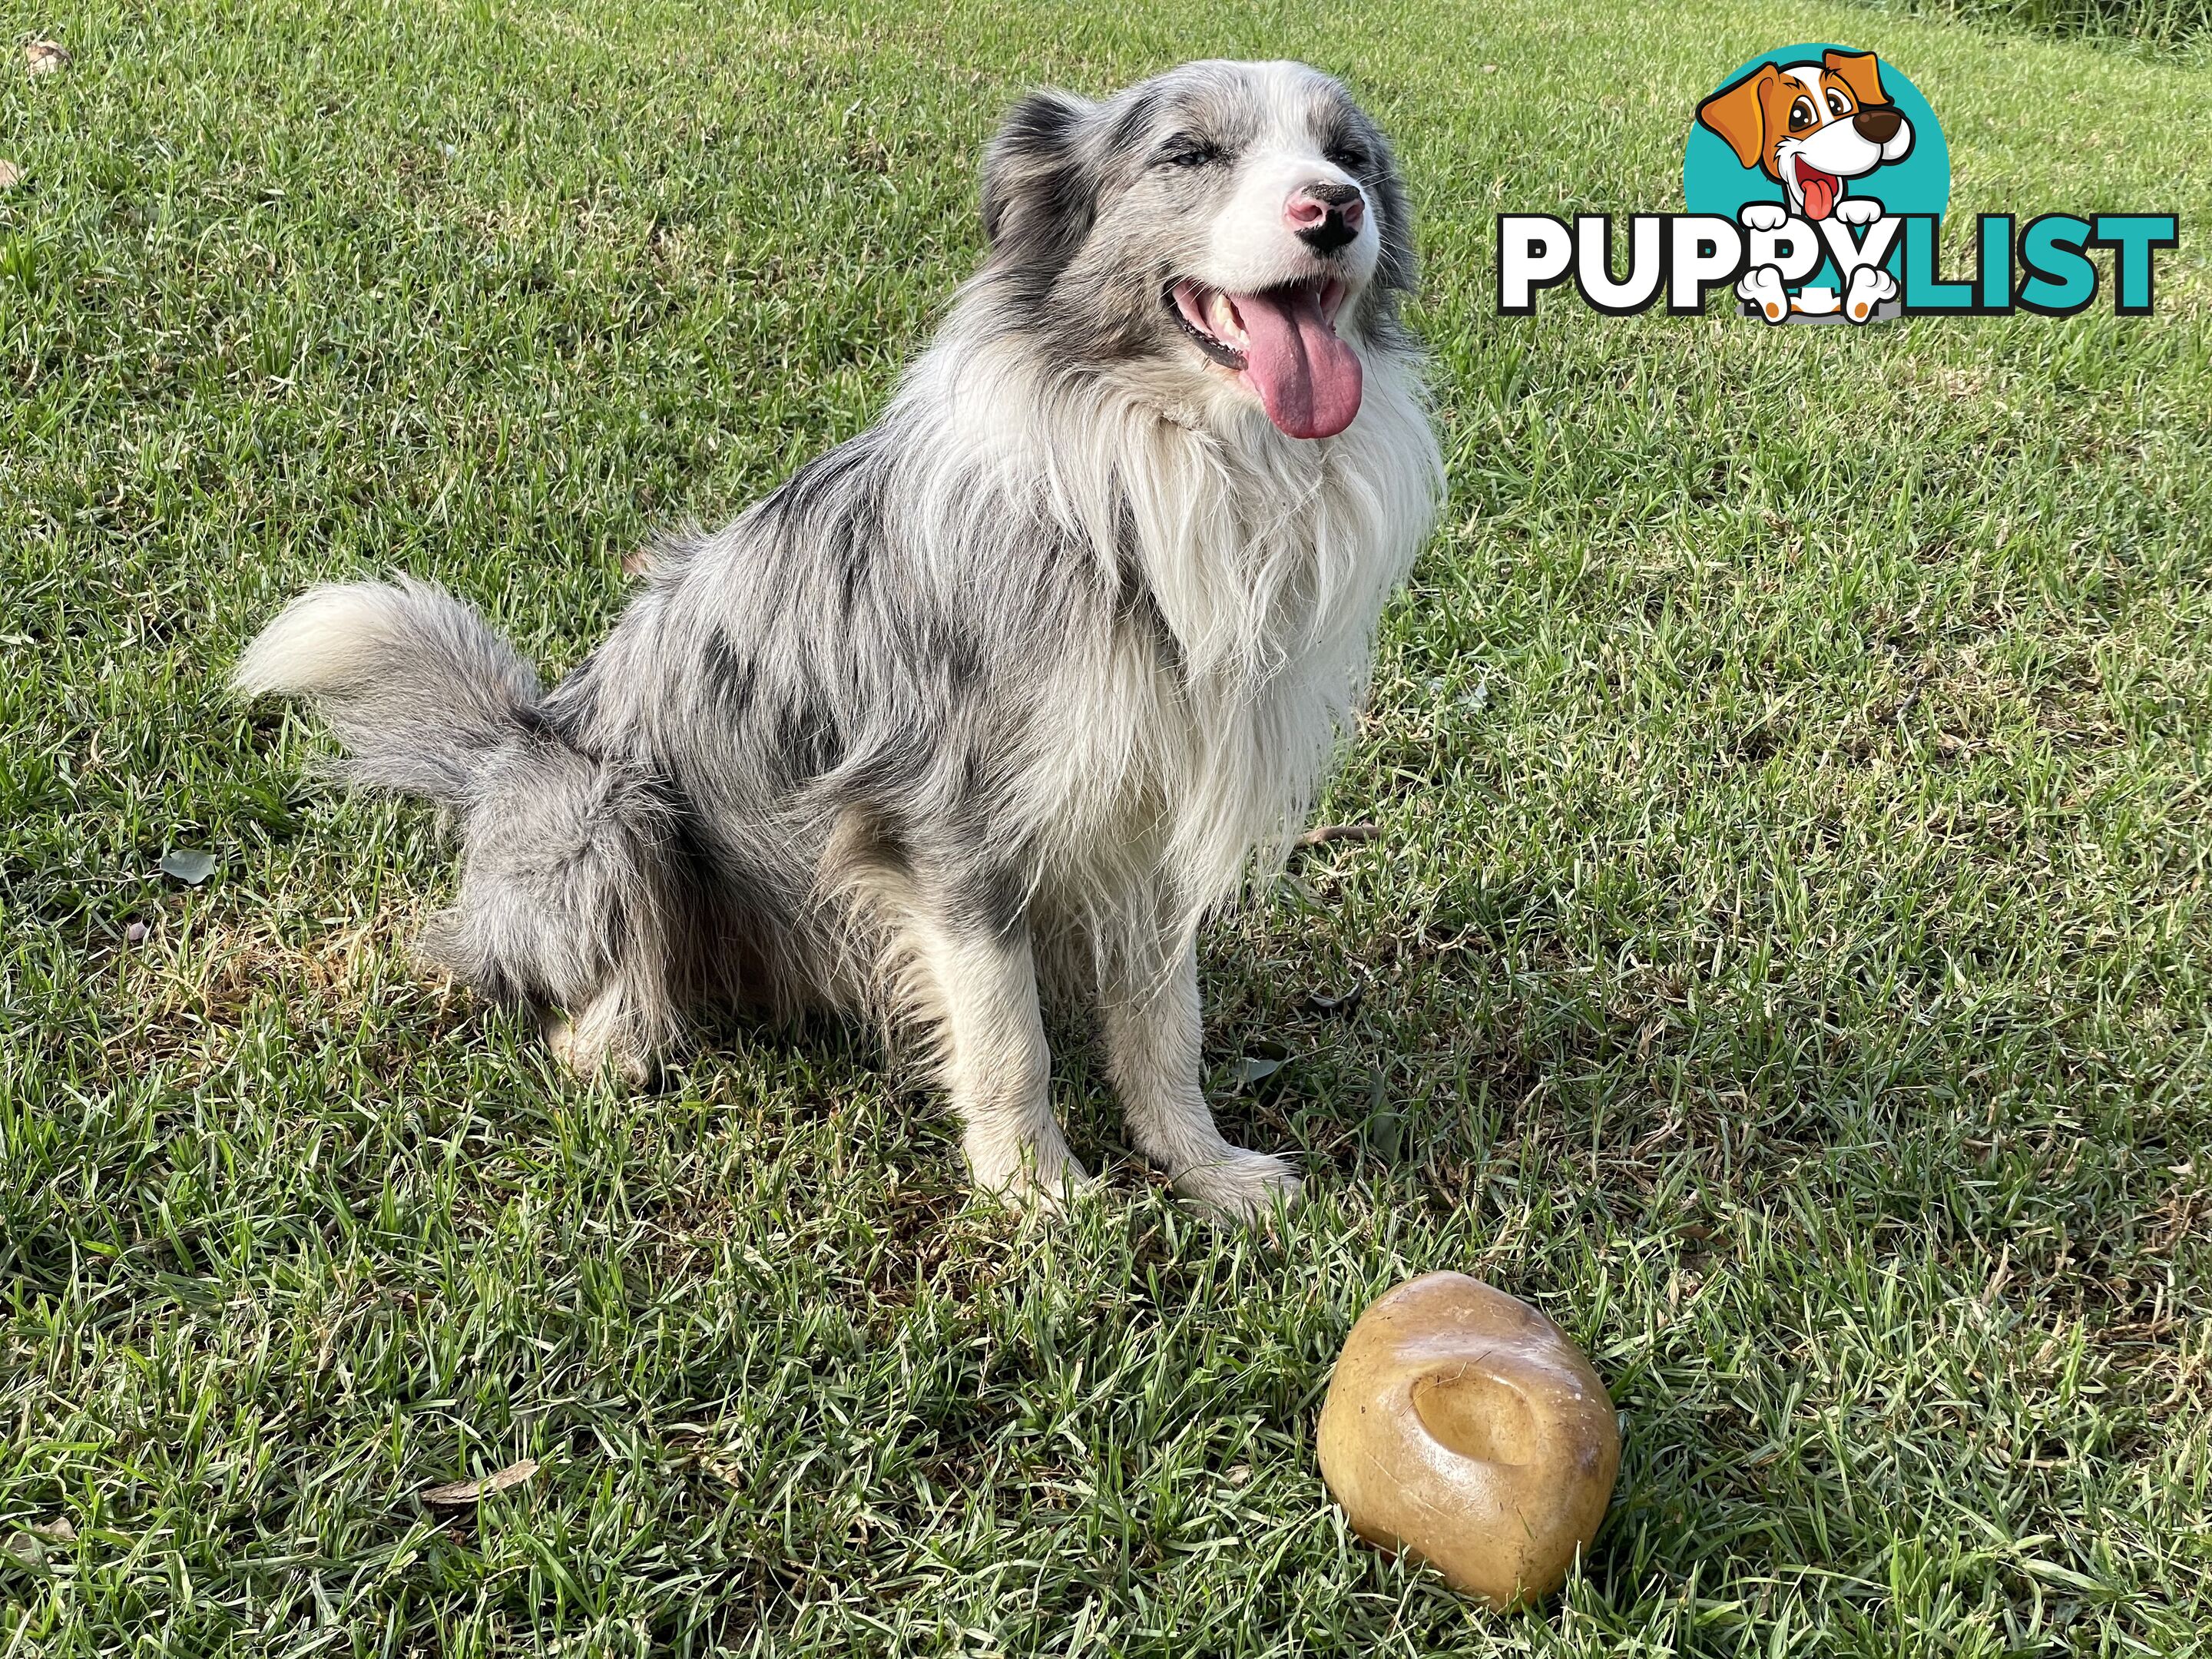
1877	124
1325	214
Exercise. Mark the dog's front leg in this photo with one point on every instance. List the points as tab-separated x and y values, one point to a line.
979	992
1150	1017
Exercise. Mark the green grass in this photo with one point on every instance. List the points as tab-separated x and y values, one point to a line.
1788	940
2180	30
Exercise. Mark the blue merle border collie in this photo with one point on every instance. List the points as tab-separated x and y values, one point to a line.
1005	694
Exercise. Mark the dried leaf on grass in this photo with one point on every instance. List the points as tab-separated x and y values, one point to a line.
29	1545
469	1491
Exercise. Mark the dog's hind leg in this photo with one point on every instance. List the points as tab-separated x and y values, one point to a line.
1149	1012
573	899
604	1034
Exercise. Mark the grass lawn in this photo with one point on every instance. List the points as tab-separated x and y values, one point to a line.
1787	943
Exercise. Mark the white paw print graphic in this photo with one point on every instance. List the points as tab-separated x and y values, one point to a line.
1762	287
1871	285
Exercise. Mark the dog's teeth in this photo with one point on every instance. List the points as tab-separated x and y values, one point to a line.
1221	319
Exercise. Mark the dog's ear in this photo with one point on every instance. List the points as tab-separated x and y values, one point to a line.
1738	113
1859	70
1039	194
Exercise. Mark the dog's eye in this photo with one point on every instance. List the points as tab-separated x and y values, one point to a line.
1185	150
1837	104
1802	114
1353	158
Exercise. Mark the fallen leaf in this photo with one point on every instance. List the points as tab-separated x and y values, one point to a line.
468	1492
29	1546
1329	1002
44	56
188	864
1329	832
1266	1058
10	175
726	1469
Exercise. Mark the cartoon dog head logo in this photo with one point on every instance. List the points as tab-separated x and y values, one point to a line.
1817	153
1811	127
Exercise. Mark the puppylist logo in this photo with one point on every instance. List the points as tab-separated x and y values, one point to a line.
1816	178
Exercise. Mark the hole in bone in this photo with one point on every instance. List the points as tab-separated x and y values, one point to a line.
1472	1411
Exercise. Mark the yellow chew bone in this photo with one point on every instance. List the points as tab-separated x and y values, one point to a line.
1463	1426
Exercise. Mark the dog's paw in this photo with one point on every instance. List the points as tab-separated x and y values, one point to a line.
1762	286
1239	1186
1870	286
1027	1185
1764	216
1857	210
586	1047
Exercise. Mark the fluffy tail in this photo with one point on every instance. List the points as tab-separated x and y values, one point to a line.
574	890
416	684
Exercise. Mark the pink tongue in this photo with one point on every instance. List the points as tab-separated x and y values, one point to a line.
1308	378
1819	194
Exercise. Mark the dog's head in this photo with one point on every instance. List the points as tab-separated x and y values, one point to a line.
1222	231
1811	126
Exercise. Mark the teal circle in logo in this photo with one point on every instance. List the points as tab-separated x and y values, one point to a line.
1823	114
